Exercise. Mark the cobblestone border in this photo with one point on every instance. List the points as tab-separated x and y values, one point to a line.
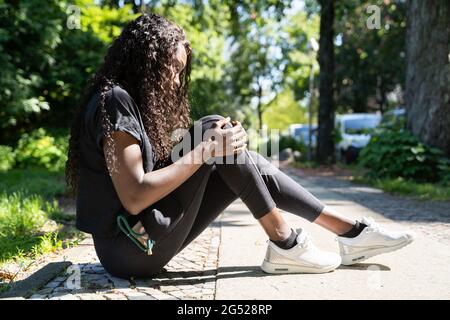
189	275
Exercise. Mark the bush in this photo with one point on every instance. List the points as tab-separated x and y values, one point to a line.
289	142
444	172
7	158
397	152
285	142
42	150
294	144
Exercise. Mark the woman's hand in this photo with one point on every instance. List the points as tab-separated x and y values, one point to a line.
138	190
222	141
139	228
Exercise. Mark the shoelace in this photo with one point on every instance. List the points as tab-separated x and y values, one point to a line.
305	241
375	227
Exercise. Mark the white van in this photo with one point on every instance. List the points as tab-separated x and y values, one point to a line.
300	132
354	130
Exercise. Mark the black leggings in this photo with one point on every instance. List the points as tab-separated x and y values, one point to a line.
206	194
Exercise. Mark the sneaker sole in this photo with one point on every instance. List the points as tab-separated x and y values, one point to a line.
355	258
277	268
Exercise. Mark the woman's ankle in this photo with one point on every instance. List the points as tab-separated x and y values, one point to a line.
274	225
288	242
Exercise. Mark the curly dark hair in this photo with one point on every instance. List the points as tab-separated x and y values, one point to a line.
139	61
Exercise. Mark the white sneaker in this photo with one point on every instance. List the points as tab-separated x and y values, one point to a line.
304	257
372	241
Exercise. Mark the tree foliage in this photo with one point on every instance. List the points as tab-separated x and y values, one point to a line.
370	62
252	59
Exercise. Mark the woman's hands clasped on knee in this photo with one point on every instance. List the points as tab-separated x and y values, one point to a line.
225	141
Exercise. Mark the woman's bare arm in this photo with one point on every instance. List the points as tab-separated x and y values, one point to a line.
137	190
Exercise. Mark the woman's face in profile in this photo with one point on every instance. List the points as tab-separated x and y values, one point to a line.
179	64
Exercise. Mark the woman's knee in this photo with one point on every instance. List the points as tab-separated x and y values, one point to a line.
211	117
209	120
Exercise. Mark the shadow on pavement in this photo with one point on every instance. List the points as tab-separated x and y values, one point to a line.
397	208
212	275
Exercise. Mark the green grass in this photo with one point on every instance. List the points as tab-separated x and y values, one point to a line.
31	222
21	220
32	181
399	186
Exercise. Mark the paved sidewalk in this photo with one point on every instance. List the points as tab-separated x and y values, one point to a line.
224	261
418	271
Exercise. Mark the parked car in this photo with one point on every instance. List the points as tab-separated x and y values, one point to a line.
394	117
301	133
354	130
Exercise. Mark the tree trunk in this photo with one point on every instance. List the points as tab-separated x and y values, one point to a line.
428	72
325	143
381	94
259	107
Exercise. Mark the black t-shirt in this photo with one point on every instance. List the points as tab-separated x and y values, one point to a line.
97	201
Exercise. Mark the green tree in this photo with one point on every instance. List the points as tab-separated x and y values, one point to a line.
283	111
255	74
300	29
79	54
29	35
46	63
370	60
